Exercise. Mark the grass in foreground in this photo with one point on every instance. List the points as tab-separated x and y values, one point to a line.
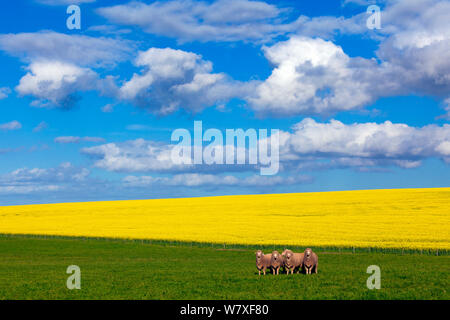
36	269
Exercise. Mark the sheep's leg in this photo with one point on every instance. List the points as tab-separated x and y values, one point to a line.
315	269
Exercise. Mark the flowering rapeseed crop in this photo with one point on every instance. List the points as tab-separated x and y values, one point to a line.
408	218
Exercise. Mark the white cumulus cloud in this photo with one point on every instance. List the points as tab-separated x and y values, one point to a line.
366	144
55	82
173	79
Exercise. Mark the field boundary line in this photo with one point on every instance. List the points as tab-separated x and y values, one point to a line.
236	246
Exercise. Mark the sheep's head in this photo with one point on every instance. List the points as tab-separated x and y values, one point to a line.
288	256
308	253
276	256
259	255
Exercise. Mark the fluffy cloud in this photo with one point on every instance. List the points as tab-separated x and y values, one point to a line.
133	156
150	156
173	79
58	71
13	125
229	20
56	83
73	139
222	20
419	47
310	145
313	76
74	49
430	23
316	77
4	92
25	181
366	144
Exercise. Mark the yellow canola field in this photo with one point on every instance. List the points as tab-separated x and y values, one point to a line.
401	218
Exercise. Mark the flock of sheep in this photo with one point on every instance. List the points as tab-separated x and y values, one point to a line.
306	261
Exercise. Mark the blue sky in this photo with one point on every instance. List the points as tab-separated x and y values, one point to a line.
88	114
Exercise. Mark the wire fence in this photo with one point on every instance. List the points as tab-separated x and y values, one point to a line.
234	246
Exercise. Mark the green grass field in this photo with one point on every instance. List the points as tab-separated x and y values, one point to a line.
36	269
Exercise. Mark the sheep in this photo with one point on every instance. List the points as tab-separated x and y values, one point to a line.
292	261
310	261
263	261
283	255
276	262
